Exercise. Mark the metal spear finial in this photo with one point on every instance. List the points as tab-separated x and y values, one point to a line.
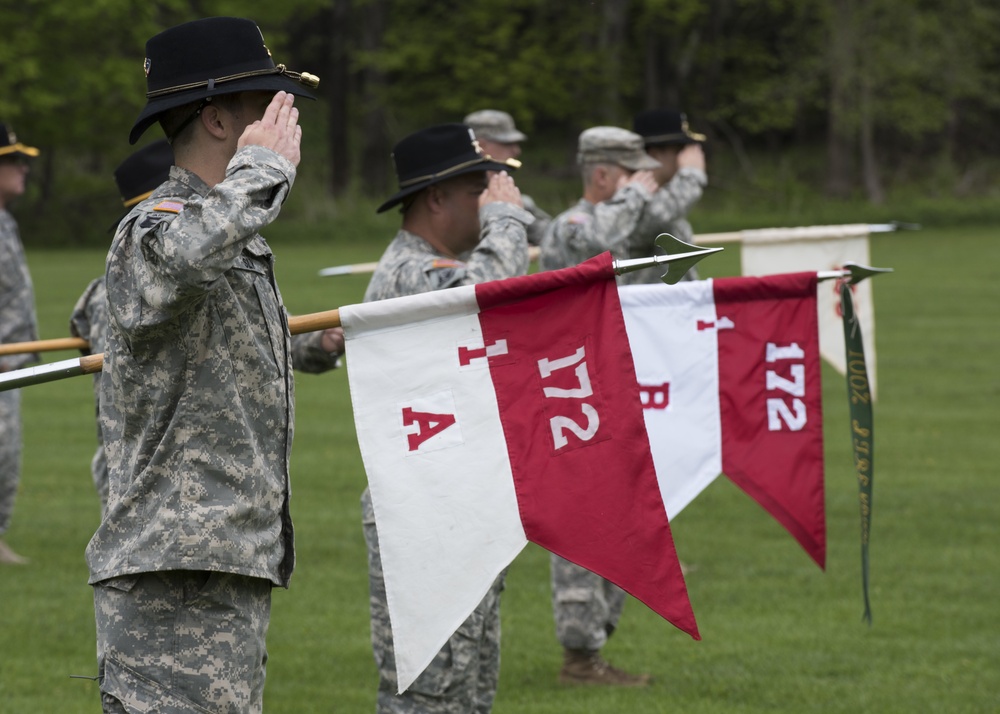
679	258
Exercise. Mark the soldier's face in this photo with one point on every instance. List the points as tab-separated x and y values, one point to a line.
13	171
460	197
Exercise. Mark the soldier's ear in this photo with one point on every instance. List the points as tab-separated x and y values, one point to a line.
212	119
435	196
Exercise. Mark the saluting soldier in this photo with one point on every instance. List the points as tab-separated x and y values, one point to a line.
196	397
501	139
455	201
618	188
618	185
17	324
681	178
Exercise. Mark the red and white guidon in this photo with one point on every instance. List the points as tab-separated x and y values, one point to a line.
729	372
495	414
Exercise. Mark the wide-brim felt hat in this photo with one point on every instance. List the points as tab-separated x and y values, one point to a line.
138	175
207	58
141	173
437	154
9	145
659	127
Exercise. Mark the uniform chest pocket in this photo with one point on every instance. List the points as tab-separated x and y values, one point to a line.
251	318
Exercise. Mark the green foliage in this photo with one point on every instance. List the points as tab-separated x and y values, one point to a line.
756	76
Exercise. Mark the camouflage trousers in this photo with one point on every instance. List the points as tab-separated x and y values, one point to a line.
10	454
462	678
586	607
179	642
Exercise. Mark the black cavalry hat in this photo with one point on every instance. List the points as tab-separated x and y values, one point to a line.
207	58
143	171
664	126
436	154
10	146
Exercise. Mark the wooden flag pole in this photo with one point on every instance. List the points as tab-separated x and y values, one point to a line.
91	364
61	343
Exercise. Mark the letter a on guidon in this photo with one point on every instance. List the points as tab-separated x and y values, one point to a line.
493	415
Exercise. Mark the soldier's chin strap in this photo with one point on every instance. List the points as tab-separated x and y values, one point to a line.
187	122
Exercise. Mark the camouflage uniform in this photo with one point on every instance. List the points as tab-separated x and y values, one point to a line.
536	231
90	321
462	679
196	409
586	607
17	324
666	213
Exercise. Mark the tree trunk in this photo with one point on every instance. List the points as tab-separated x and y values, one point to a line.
338	71
376	143
840	126
610	43
869	161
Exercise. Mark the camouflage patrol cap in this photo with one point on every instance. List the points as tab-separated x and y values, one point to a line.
10	146
659	127
494	125
612	145
207	58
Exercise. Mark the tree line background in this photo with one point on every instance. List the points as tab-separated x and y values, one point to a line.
861	100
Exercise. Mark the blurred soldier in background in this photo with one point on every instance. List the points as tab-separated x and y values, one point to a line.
499	138
681	179
17	324
618	185
463	223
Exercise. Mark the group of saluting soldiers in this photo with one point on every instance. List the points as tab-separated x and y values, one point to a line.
196	399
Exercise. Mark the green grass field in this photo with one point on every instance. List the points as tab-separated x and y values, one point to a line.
779	635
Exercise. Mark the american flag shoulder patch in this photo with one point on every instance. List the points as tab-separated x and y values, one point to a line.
169	206
439	263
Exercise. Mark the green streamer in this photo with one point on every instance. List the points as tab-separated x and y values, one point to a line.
862	431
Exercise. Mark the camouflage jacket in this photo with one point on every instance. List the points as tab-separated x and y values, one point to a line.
197	401
89	320
536	230
410	265
666	213
17	298
589	229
